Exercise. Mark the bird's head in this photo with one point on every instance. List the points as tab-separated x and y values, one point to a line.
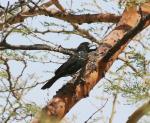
86	46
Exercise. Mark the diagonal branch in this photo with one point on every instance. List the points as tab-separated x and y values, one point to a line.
85	33
129	35
139	113
96	111
58	5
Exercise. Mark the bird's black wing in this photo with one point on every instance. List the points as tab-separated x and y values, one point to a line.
69	63
69	67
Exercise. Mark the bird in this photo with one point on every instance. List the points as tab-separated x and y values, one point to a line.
76	62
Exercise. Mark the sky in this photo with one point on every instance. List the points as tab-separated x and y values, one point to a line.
87	106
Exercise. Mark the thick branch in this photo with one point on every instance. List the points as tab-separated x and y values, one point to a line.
84	18
129	35
139	113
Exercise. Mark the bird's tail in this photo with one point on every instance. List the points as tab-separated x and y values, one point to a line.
50	83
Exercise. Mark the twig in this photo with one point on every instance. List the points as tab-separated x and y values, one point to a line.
96	112
126	62
85	33
113	108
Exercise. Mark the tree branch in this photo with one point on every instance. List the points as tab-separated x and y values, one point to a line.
85	33
96	111
59	49
84	18
139	113
113	109
129	35
58	5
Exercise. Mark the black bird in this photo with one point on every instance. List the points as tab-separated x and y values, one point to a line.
73	64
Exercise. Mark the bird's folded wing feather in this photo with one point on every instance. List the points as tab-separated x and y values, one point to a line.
71	61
